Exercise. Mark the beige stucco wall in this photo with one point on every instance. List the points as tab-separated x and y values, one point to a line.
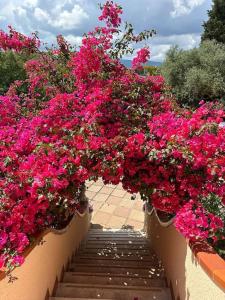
185	276
44	265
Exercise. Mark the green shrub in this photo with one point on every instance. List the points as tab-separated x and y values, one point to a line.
11	69
196	74
151	70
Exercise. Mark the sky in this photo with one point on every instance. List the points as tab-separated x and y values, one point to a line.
177	22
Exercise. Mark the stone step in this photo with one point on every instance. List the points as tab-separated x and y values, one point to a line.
114	265
112	245
117	241
115	235
146	259
63	298
116	231
114	262
104	264
111	292
118	275
104	279
114	250
122	255
151	272
118	246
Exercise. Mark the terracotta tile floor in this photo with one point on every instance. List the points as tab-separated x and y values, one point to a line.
113	207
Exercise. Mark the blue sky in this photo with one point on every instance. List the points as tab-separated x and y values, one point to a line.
176	21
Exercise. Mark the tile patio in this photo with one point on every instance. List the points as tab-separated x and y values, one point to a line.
113	207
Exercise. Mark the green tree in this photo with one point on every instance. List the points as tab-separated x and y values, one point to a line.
196	74
11	69
214	28
151	70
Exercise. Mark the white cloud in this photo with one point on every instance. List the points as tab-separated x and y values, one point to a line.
69	19
74	40
158	52
186	41
2	18
20	11
30	3
62	18
161	44
41	15
184	7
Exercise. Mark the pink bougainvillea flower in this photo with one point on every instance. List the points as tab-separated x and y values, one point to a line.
142	57
18	260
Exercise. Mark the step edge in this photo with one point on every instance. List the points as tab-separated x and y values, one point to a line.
107	276
113	260
69	298
116	275
108	266
114	286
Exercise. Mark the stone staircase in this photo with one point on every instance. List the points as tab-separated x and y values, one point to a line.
114	265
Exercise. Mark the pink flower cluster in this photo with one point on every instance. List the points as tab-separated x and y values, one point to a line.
142	57
82	115
17	41
194	222
111	14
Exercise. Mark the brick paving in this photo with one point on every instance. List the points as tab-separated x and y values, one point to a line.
113	207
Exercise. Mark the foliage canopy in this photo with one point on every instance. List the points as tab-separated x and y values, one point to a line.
196	74
214	28
11	69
